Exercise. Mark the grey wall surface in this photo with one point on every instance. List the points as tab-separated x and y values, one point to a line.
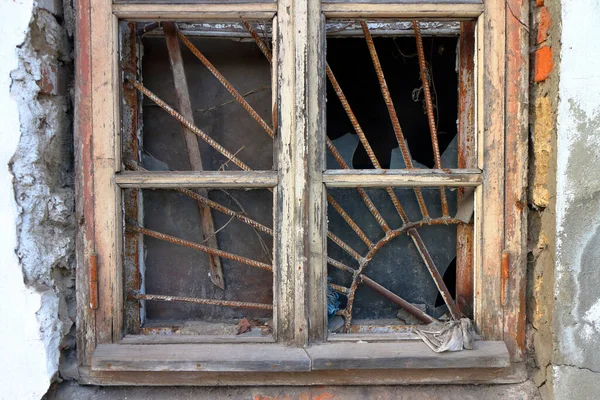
577	278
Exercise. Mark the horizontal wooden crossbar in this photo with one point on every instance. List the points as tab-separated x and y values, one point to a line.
187	12
190	179
402	178
402	10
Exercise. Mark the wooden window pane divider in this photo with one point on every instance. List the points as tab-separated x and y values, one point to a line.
105	323
402	178
253	11
422	11
191	179
188	12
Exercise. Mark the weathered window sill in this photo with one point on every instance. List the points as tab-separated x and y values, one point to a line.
273	358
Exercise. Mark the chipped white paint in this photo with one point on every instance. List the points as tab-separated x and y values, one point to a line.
25	370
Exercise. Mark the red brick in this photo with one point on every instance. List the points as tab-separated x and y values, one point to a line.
545	21
543	64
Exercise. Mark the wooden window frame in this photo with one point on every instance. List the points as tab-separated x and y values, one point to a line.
300	278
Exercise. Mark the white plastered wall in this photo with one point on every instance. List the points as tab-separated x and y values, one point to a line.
25	368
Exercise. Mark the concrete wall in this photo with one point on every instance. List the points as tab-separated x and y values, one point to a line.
577	275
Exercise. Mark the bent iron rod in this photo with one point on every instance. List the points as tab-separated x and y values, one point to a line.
429	106
195	300
249	221
432	268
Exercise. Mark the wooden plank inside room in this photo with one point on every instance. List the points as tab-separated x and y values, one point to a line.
191	140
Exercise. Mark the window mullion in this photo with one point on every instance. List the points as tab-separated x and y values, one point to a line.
297	69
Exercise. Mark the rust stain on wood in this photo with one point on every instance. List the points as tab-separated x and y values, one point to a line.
94	281
516	148
130	117
505	273
466	159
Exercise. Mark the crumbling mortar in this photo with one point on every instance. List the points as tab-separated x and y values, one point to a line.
542	187
42	169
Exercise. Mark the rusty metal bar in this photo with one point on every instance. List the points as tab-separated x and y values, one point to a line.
367	200
349	220
363	139
435	274
338	288
195	300
225	210
199	132
212	204
148	28
259	42
240	99
408	162
429	106
394	298
392	112
388	294
344	246
370	205
222	150
340	266
191	141
361	134
197	246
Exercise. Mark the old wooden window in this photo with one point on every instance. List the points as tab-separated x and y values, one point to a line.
304	165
